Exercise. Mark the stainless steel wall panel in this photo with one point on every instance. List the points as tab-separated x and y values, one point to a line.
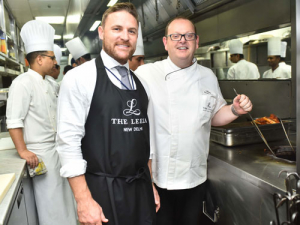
268	96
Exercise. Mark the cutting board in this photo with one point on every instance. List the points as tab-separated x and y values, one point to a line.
6	181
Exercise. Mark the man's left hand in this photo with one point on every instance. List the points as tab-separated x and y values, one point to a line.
156	198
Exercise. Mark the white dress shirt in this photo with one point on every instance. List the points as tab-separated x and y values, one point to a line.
54	84
243	70
75	96
26	109
182	103
279	72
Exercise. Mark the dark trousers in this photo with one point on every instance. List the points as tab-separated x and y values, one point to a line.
180	207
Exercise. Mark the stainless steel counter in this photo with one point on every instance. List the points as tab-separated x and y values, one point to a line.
253	160
242	181
10	162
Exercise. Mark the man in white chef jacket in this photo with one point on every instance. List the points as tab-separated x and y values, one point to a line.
242	68
56	70
78	51
184	101
282	64
274	53
138	56
31	120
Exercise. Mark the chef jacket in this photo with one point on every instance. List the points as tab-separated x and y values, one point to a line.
286	67
182	103
76	92
279	72
243	70
26	109
54	84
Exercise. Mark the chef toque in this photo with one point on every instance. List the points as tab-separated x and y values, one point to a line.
37	36
57	53
76	48
283	49
274	46
235	47
139	44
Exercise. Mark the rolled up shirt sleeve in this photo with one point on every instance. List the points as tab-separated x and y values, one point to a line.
72	111
18	103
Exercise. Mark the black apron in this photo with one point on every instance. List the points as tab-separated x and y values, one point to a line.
116	148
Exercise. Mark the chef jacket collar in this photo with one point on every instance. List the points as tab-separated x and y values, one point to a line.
36	74
174	71
110	62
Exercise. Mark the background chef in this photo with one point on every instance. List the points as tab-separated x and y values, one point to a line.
242	69
31	120
274	53
78	51
282	64
56	70
138	56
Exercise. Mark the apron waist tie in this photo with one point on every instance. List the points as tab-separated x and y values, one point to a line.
129	179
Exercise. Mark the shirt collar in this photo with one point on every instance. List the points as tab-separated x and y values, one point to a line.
172	67
36	74
110	62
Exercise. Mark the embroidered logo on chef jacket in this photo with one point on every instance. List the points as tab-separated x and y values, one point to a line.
133	124
209	101
131	104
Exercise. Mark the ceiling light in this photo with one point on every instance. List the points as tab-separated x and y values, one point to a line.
95	25
73	19
63	49
111	3
68	36
51	19
57	37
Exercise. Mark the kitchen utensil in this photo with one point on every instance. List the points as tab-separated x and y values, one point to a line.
286	134
257	128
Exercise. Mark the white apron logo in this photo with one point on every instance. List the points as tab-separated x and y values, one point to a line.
131	104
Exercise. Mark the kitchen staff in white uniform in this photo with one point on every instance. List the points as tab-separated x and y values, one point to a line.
242	69
274	52
56	70
78	51
184	101
31	120
282	64
138	56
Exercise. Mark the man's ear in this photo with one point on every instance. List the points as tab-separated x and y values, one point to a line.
165	43
100	32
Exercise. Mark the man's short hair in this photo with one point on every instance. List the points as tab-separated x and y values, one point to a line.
179	18
33	55
67	68
86	56
123	6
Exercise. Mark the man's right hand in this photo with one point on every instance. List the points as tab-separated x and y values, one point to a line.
90	212
31	158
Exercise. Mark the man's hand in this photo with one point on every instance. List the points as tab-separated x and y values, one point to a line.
242	104
31	158
90	212
156	198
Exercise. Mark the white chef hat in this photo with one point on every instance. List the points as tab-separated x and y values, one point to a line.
283	49
57	53
76	48
37	36
139	44
235	47
274	46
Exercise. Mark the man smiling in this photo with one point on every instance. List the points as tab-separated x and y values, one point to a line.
103	130
184	101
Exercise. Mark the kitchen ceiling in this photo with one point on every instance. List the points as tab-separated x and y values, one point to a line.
26	10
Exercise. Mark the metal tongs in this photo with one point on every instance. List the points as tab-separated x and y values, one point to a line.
258	130
286	134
